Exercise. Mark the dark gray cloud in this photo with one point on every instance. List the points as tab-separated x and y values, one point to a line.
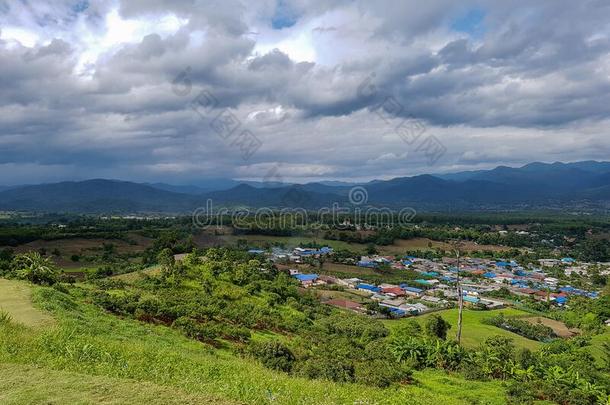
87	88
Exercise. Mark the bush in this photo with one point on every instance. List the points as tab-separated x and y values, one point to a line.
340	370
33	267
274	355
436	326
196	330
380	373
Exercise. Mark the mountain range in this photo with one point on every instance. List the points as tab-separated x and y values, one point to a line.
579	185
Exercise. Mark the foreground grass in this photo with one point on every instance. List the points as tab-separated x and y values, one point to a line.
90	342
30	385
474	331
15	299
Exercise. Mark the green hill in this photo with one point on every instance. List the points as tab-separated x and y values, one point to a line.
90	356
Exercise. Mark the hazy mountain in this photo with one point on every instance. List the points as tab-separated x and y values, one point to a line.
184	189
95	196
536	185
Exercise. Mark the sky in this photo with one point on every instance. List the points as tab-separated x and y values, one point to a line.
180	91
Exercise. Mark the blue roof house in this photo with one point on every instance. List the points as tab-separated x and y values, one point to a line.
368	287
306	277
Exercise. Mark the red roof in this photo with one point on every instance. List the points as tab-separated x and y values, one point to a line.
393	290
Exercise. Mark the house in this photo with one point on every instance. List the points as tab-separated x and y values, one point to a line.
412	291
393	291
551	281
392	303
350	282
256	251
414	308
434	300
471	299
368	288
367	263
307	280
491	304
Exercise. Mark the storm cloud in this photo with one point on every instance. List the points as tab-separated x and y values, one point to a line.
319	89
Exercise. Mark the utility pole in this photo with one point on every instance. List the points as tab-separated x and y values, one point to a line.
460	296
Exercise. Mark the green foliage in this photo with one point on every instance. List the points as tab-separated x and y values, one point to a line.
436	326
5	317
527	329
273	354
33	267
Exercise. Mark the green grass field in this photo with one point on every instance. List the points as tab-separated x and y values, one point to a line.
474	331
110	358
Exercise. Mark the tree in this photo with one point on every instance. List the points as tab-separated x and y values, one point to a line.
166	260
33	267
436	326
371	249
594	250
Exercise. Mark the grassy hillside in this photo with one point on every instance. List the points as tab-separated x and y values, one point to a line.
107	351
22	384
474	331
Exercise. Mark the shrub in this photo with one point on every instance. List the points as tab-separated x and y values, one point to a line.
33	267
380	373
334	369
436	326
196	330
5	317
274	355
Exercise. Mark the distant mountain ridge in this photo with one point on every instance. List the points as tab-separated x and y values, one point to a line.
535	185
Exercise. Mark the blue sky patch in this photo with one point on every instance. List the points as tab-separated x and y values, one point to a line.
284	16
470	23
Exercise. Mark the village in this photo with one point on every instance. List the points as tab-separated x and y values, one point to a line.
434	282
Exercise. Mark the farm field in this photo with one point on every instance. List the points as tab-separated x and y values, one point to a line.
558	327
399	247
102	350
474	331
82	247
